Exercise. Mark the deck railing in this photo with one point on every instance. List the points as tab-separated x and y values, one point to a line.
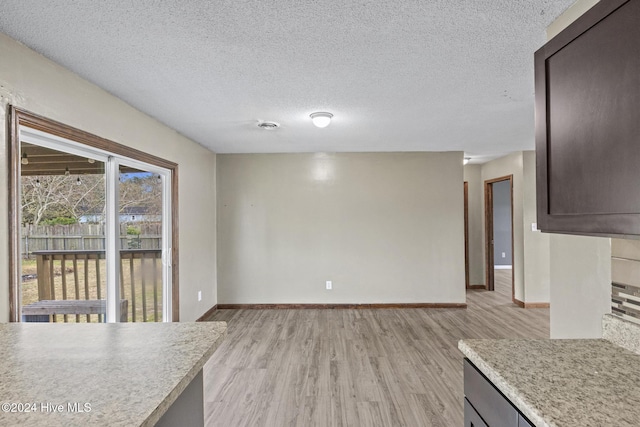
81	275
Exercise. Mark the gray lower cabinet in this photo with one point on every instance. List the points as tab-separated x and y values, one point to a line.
484	405
471	417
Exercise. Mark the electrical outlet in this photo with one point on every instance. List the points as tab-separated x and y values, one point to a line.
504	255
199	295
329	285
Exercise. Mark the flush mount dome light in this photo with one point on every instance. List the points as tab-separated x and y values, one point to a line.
268	125
321	119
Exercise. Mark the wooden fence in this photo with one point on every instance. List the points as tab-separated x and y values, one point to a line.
87	237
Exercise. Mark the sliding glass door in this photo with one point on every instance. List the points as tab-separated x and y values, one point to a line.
95	234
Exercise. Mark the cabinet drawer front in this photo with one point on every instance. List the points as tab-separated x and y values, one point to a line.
471	417
522	422
492	406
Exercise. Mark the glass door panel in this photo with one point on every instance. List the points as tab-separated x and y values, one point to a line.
62	235
141	219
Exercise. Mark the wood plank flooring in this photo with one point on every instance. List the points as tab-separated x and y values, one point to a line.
368	367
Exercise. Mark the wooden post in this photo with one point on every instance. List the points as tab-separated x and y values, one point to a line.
144	290
42	264
133	290
63	268
155	289
75	282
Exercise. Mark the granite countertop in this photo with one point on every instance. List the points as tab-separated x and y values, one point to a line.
128	373
563	383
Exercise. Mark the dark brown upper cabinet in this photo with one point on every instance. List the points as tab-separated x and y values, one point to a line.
587	82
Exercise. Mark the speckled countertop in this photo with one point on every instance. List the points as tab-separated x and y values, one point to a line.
128	373
563	383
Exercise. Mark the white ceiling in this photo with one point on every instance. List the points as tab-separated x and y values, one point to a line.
404	75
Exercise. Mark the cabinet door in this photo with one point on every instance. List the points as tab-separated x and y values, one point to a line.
587	127
471	417
492	406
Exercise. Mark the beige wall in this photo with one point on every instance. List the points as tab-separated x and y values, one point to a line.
30	81
537	277
580	285
384	227
472	174
580	266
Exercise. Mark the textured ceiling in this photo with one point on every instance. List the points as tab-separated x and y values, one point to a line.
405	75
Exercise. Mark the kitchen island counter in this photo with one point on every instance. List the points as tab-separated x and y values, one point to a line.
115	374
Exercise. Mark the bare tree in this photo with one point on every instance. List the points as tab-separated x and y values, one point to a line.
142	190
75	196
55	196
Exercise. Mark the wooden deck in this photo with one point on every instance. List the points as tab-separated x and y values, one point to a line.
80	275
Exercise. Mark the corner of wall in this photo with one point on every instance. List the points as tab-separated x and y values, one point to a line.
472	175
580	266
536	243
214	239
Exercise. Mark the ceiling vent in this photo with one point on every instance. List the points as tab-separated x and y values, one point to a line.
268	125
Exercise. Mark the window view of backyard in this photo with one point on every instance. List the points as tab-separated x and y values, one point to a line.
63	210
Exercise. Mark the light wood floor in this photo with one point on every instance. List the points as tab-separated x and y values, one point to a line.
383	367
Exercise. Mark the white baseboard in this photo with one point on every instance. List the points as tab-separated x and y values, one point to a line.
502	267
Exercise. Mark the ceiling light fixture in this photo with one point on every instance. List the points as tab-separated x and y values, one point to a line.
90	160
25	159
66	171
268	125
321	119
466	160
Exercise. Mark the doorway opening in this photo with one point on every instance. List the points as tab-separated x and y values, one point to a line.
498	198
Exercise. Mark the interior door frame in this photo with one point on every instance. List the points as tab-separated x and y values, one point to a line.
19	117
466	235
488	227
